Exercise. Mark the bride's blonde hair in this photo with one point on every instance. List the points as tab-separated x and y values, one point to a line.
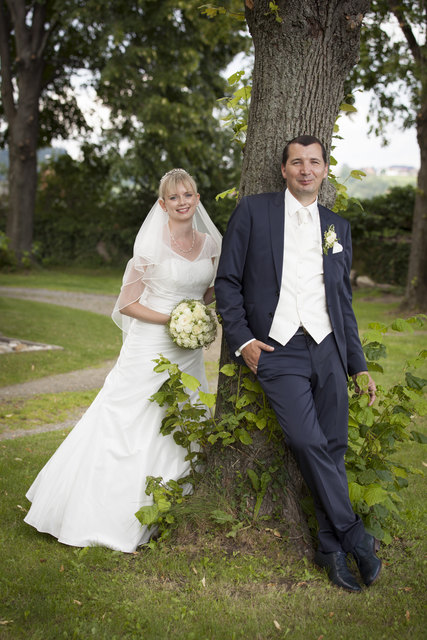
172	178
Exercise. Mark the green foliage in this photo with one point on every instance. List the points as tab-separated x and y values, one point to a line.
375	477
7	257
84	213
342	197
161	80
393	66
237	106
381	232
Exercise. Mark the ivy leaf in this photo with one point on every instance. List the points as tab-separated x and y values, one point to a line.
207	398
254	479
374	494
374	366
367	477
373	336
190	381
220	517
348	107
243	436
375	350
401	325
419	437
366	416
261	422
228	370
148	515
243	401
414	382
251	385
378	326
357	174
356	491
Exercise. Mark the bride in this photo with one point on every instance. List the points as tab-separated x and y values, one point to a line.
89	491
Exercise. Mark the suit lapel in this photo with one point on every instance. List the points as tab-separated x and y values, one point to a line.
325	221
276	214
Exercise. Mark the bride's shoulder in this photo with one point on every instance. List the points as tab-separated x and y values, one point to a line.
209	241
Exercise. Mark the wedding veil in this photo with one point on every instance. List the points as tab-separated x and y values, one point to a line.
151	247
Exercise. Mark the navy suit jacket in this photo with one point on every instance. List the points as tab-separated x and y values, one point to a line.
249	276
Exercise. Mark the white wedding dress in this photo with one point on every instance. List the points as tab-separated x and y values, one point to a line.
89	491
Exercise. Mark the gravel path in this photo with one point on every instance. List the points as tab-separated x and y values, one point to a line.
81	380
86	301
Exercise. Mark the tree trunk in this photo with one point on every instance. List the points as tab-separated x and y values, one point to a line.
416	286
300	66
22	176
22	48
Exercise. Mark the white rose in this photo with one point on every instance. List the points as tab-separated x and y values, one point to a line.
199	313
331	237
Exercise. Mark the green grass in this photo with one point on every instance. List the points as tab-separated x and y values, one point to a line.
88	339
215	589
104	280
210	588
50	408
372	305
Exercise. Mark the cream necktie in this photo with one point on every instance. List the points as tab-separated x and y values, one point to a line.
303	215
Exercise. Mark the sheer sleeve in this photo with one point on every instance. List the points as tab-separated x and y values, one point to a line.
131	291
132	287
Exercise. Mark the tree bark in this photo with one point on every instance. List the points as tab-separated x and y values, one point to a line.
298	80
301	63
21	106
416	287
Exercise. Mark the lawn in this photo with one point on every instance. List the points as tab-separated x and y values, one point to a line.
88	339
104	280
211	587
203	586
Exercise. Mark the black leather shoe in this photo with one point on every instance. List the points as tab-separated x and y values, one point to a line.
366	559
336	565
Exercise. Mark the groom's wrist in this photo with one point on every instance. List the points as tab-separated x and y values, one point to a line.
238	352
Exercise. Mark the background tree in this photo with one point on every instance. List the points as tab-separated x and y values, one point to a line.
162	79
393	63
303	54
41	45
156	64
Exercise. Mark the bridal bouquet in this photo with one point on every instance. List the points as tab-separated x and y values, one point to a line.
192	325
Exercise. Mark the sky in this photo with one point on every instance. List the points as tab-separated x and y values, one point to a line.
358	150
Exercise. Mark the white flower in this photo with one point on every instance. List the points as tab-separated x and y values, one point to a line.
330	238
192	325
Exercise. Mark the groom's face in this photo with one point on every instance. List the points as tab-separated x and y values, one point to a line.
304	171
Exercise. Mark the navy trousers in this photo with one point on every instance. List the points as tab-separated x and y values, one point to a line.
306	386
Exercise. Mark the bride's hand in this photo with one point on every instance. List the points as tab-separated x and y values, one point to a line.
209	296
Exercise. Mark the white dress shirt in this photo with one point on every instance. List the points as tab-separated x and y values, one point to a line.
302	300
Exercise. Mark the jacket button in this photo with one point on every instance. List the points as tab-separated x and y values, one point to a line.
270	315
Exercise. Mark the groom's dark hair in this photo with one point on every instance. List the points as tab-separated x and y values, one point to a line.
305	140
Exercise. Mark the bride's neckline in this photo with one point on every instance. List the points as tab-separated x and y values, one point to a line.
185	257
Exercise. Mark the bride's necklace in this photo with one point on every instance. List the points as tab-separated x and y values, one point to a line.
179	246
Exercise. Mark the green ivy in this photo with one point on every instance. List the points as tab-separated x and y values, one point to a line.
375	478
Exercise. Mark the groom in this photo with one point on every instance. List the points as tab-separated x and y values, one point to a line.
283	291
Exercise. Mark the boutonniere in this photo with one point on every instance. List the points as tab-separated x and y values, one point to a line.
330	239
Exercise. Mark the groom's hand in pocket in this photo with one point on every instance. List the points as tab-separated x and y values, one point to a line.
252	352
